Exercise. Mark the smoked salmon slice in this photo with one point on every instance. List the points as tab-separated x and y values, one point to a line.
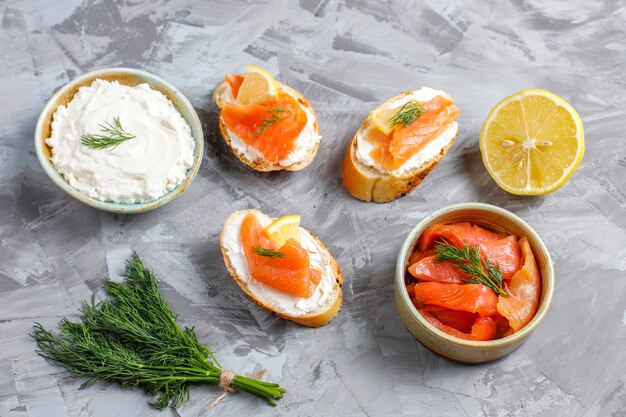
484	328
474	298
505	253
408	140
418	255
498	249
503	328
380	151
460	320
457	234
272	128
291	273
234	81
524	290
427	269
391	151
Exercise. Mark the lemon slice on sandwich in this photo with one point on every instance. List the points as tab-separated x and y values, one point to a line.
380	119
283	229
385	119
532	142
258	87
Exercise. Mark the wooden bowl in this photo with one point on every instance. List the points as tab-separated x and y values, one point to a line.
495	219
130	77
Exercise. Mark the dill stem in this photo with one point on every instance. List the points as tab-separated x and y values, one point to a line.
181	378
252	387
175	368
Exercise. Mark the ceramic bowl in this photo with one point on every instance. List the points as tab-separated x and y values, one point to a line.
130	77
495	219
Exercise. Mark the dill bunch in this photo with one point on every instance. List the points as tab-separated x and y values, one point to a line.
131	339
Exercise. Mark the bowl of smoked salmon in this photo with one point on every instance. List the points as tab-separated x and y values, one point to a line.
473	281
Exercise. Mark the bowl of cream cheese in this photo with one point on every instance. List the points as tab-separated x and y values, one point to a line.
120	140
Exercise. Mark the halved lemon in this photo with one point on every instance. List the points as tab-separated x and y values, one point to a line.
532	142
283	229
258	87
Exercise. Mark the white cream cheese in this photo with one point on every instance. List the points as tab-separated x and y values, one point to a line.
141	169
433	148
305	142
279	300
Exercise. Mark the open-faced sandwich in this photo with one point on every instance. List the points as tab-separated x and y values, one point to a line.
269	126
282	267
399	143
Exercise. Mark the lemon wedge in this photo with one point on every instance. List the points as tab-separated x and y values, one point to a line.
283	229
385	119
532	142
258	87
380	119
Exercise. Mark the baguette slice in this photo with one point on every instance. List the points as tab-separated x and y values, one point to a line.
260	164
370	184
316	318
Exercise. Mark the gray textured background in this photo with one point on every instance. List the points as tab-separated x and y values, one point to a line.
345	57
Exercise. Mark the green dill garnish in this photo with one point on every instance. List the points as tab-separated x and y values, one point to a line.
132	339
276	116
113	135
469	261
268	252
407	114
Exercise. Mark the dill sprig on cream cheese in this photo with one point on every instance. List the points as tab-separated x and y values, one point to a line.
132	339
276	116
112	135
407	114
468	259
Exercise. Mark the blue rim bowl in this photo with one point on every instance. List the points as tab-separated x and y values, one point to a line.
127	76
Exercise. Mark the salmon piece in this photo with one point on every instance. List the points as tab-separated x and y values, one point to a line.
484	328
460	320
409	140
291	273
391	151
499	249
427	269
418	255
380	151
524	290
410	289
234	81
505	253
474	298
275	141
456	234
502	327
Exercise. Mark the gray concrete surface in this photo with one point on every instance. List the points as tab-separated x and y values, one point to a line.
345	57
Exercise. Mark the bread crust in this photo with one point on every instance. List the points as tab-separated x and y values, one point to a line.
259	164
366	183
314	319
